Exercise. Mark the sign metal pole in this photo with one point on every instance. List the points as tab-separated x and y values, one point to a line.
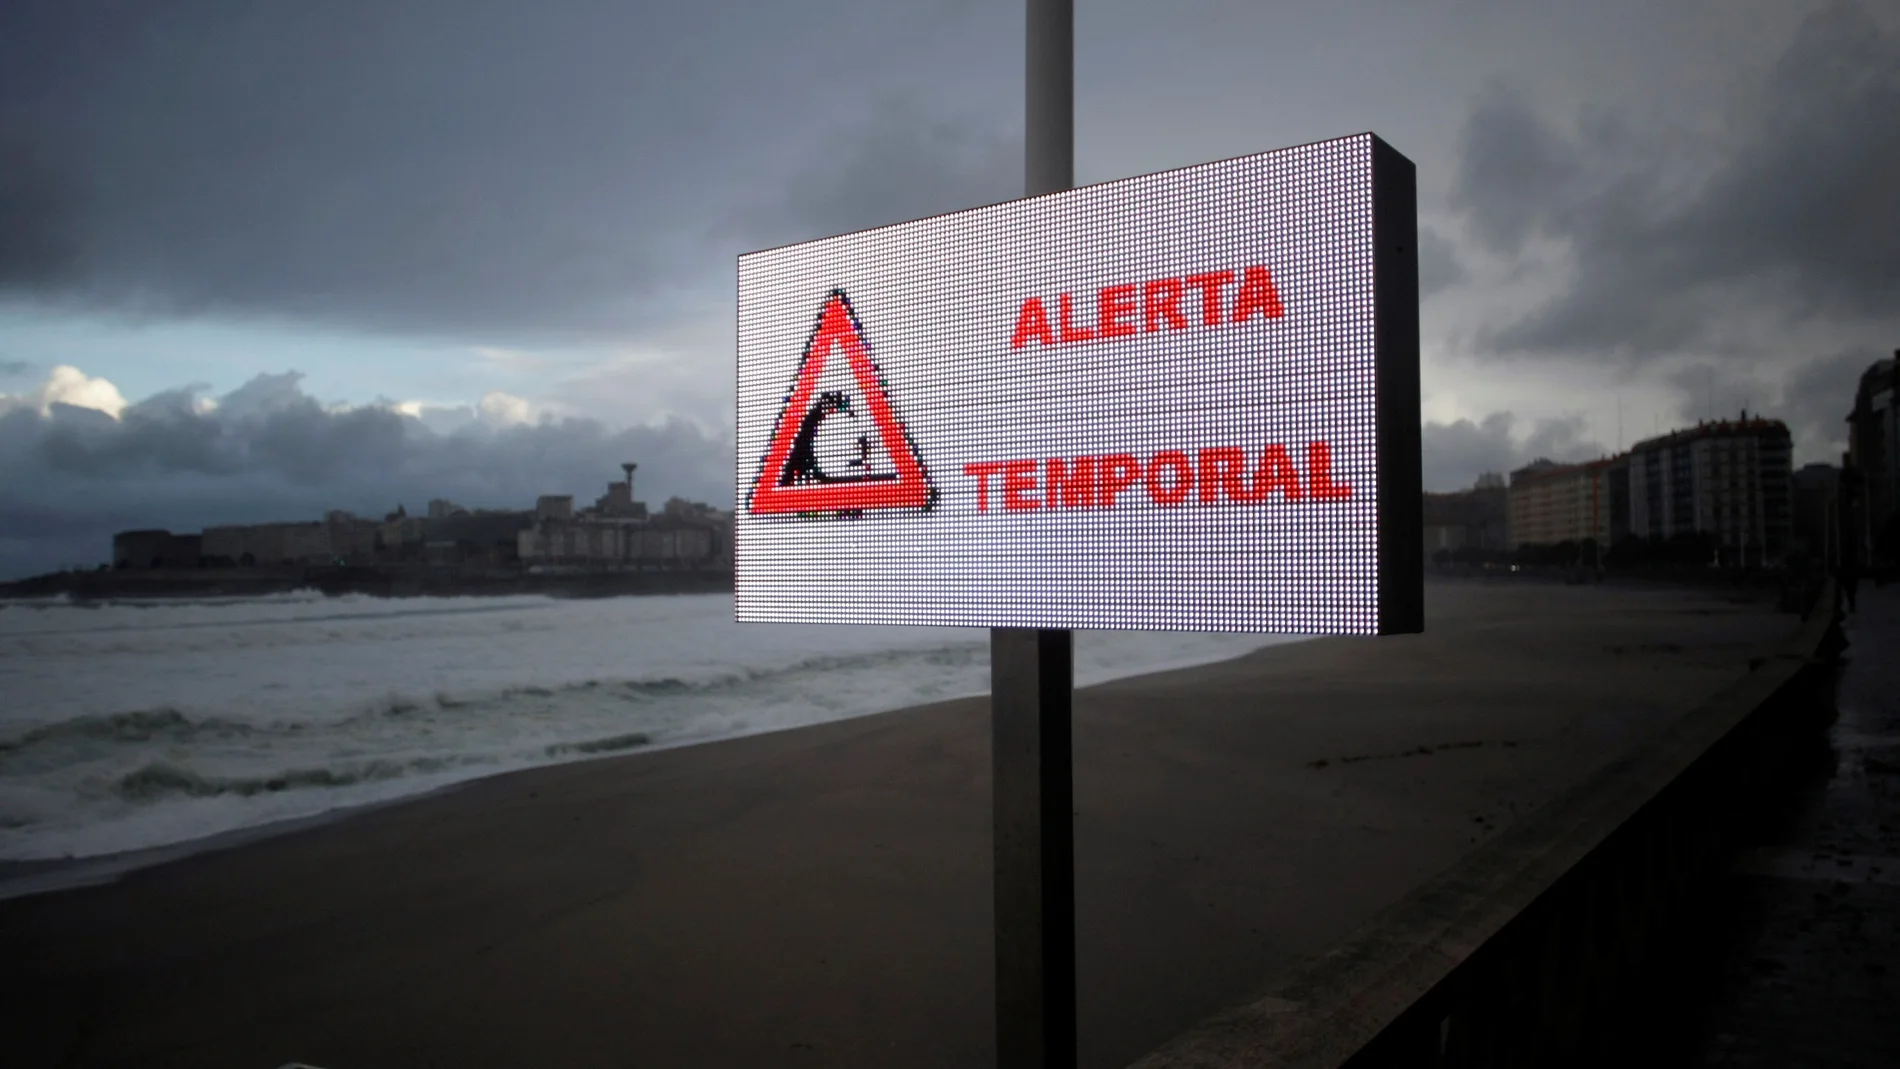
1032	682
1370	499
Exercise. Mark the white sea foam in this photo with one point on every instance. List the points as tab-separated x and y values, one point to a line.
131	725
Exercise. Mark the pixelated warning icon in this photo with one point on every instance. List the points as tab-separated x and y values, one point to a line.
838	446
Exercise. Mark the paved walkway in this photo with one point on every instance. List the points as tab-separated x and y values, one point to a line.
1810	973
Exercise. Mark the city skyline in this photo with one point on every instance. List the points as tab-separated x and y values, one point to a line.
1613	515
378	255
493	435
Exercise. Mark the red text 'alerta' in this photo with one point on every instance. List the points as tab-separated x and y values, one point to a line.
1126	310
1169	477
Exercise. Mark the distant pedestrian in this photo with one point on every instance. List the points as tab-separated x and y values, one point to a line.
1850	582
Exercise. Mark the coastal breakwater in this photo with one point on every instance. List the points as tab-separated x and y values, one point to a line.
1552	943
385	581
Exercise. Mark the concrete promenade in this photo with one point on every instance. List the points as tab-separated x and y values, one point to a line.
1804	968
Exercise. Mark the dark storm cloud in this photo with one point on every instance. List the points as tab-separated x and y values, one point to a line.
81	442
39	247
1455	453
71	477
906	161
1517	177
1813	397
1816	397
1708	390
1439	267
508	168
1798	218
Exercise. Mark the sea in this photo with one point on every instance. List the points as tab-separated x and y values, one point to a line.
132	725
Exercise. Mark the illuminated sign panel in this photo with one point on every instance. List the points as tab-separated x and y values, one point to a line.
1187	400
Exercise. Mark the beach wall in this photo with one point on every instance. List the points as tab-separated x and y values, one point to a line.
1542	946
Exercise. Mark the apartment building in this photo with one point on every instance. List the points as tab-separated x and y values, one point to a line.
1549	503
1729	479
1873	461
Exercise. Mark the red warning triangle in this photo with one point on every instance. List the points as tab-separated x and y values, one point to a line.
790	479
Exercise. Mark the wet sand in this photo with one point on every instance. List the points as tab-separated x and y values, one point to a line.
821	896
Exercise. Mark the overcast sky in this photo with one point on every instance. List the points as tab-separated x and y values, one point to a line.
261	260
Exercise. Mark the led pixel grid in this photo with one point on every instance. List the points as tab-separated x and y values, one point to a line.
1186	400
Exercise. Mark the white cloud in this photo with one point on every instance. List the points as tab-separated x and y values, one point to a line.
501	409
495	410
267	394
68	385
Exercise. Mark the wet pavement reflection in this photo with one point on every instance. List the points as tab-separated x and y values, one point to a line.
1803	963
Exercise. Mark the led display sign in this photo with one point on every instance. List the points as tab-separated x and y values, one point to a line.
1187	400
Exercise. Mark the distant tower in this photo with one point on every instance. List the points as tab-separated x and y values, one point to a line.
628	468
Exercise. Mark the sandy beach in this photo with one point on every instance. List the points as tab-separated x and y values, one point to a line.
821	896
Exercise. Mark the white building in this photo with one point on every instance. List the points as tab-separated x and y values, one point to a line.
1554	503
619	533
1730	479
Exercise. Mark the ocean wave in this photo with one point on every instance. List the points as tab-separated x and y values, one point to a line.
674	686
422	693
158	780
477	726
61	600
610	744
300	596
138	725
168	726
376	614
